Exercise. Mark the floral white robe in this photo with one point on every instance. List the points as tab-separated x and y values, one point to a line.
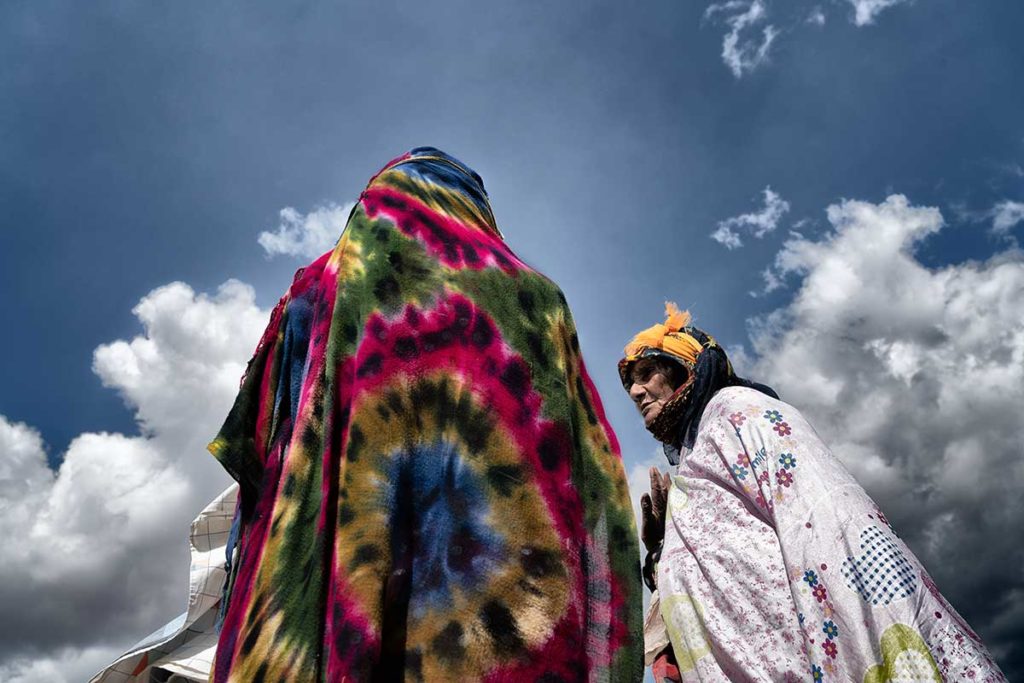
777	566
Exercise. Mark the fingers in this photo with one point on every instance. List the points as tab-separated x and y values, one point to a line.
650	535
647	521
655	476
659	491
653	510
666	481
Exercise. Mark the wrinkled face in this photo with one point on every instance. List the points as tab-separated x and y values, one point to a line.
652	382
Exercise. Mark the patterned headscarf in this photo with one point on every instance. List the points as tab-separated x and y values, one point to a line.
708	366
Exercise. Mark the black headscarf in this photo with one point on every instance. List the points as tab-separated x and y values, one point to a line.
711	373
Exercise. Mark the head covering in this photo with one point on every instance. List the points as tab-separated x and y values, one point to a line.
709	369
429	486
672	338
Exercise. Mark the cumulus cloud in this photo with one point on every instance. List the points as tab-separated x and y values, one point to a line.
96	553
865	11
1005	216
915	377
816	17
306	236
70	665
758	223
744	47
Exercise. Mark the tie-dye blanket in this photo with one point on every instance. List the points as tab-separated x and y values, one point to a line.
429	487
777	566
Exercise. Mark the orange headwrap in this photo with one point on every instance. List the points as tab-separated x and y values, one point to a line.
670	337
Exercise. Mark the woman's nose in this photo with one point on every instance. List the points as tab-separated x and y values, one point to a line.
636	392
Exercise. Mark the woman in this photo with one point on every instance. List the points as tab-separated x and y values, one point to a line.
429	487
776	565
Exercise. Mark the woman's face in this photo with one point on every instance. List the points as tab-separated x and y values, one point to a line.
650	388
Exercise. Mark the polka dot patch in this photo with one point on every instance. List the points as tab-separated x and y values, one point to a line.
882	573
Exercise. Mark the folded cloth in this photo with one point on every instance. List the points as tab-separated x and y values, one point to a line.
655	634
183	649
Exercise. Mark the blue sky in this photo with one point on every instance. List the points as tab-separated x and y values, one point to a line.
148	144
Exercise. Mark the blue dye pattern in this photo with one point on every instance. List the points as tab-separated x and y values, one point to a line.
446	504
296	346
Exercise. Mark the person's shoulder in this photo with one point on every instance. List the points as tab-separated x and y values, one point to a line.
734	404
746	397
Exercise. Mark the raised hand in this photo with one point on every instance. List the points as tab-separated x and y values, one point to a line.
653	508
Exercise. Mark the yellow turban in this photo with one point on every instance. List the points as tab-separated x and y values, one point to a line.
670	337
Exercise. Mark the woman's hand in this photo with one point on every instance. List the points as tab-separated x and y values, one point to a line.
653	508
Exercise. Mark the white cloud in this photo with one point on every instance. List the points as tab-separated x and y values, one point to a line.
1005	216
306	236
743	47
758	223
865	11
195	348
68	665
749	40
95	555
915	377
727	237
772	281
21	468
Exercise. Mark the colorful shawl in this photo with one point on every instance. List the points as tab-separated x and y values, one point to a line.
777	566
429	487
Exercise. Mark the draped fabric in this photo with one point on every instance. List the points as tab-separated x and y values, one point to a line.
777	566
182	650
429	487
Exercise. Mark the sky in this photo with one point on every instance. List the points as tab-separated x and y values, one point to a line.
835	189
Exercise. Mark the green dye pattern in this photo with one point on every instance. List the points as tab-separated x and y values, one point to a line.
900	639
